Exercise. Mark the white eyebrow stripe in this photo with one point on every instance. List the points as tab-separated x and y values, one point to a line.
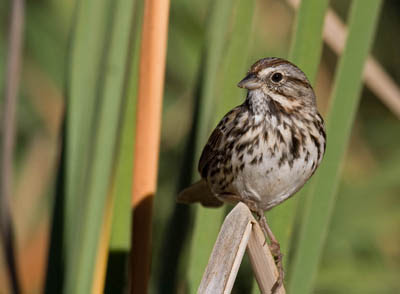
266	71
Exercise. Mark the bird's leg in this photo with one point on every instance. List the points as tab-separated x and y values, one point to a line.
275	248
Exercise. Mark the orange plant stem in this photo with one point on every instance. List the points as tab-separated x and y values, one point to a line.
151	83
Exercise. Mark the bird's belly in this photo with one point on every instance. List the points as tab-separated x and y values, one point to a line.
273	180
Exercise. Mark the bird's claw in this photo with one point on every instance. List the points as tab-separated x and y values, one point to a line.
275	249
276	252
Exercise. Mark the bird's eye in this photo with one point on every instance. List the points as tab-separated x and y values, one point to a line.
277	77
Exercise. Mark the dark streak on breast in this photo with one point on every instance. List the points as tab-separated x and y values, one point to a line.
265	135
280	136
250	151
295	148
317	145
307	156
261	157
283	159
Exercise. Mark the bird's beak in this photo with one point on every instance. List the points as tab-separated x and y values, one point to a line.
250	82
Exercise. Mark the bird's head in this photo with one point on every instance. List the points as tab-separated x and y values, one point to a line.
281	81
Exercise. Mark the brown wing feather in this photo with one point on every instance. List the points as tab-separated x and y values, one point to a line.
213	146
209	151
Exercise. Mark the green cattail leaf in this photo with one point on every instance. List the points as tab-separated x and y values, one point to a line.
346	95
99	62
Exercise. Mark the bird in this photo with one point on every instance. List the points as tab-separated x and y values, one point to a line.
263	151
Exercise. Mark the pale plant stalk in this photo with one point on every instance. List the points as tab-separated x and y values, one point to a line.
150	93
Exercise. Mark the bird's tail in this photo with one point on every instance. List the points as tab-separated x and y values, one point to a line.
199	192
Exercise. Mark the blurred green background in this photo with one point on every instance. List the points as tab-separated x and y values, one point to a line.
362	252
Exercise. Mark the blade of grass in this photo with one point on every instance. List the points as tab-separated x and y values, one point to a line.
148	124
107	90
120	236
120	241
8	130
99	275
362	23
87	46
305	52
55	272
119	57
207	220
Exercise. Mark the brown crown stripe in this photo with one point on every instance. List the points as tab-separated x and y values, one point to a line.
268	62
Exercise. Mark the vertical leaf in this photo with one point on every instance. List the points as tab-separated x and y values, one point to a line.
86	55
99	62
8	132
120	236
120	239
345	98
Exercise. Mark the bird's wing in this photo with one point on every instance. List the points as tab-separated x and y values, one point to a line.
215	144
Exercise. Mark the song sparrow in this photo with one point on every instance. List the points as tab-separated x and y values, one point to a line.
264	150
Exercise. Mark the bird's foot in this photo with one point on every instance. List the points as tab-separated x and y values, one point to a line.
278	256
275	249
